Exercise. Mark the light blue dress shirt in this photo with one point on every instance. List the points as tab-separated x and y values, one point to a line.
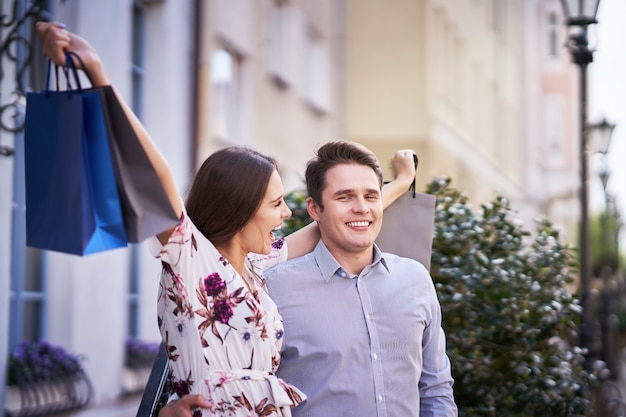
364	346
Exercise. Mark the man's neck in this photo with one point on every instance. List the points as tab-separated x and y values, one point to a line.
352	262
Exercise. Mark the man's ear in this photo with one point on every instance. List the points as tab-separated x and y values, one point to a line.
313	208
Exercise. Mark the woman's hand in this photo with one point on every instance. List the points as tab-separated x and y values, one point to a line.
404	174
185	406
403	166
56	41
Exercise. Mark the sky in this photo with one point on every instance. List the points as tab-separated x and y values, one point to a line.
607	98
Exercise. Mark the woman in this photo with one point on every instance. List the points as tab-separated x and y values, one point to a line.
221	330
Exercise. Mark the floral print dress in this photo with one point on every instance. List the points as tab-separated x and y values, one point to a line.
222	340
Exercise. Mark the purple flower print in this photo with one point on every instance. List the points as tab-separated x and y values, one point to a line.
214	284
223	311
277	244
181	388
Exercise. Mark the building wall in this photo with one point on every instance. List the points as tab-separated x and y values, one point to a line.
442	78
281	114
469	85
551	120
87	296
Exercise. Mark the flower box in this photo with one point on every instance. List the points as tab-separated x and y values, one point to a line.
44	379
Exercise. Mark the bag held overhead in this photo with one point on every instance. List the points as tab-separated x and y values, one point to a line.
72	204
408	226
85	191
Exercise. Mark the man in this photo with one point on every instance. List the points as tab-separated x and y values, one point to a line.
363	332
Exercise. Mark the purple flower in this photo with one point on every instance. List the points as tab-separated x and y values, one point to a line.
223	311
214	284
181	388
277	244
38	361
140	353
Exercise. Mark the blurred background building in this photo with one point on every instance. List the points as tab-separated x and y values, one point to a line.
483	90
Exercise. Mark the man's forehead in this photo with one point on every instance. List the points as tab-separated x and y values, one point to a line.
351	176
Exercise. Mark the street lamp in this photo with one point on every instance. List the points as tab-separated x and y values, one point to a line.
579	14
601	140
603	131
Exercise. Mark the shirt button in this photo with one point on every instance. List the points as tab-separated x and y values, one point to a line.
375	356
380	398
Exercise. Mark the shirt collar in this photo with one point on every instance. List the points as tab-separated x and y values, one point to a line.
328	265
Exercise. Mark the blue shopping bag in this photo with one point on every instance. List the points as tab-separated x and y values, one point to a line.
72	202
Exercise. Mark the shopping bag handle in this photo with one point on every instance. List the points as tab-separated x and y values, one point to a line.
415	162
69	69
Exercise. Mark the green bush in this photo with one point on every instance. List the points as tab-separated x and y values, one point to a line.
296	201
507	312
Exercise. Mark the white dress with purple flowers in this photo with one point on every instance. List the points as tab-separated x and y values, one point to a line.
222	340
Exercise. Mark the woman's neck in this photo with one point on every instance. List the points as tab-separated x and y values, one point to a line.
234	254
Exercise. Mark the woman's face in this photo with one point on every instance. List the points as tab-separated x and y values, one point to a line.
257	235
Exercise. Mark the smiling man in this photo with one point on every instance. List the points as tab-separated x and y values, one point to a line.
363	332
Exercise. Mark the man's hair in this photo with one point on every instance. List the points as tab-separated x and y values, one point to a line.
332	154
227	191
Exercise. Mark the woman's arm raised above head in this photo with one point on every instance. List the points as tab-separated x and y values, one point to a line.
404	174
56	41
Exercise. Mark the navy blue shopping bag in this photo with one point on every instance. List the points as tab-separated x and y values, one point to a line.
72	202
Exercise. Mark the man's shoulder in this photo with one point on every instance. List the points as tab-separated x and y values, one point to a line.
397	261
286	268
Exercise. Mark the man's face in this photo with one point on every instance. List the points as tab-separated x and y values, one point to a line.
353	209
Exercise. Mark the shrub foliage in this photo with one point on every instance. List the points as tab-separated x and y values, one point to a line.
507	311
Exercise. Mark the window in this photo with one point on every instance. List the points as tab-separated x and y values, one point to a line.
316	78
278	36
137	85
226	102
553	128
137	64
552	35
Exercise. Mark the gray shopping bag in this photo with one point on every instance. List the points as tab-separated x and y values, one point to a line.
409	225
145	204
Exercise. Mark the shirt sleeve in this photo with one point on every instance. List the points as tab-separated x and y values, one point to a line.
435	384
278	254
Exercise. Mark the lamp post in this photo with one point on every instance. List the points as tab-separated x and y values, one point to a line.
579	14
603	132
